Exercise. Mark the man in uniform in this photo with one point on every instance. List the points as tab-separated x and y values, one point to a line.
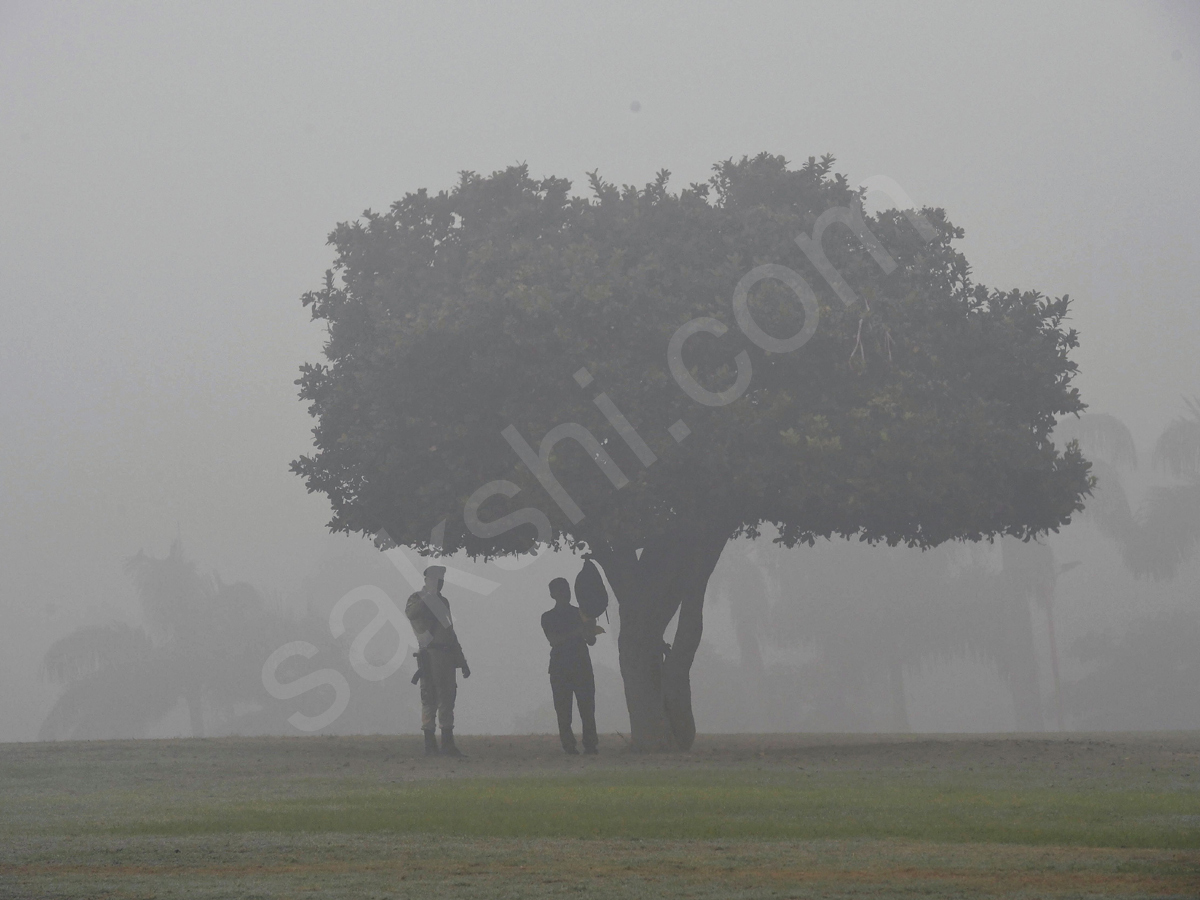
570	633
437	660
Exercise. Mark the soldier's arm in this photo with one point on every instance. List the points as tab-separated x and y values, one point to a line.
579	631
462	657
561	637
590	628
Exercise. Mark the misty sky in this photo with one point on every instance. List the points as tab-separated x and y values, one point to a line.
169	173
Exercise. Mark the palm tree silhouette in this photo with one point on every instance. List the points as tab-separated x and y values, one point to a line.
869	615
1164	535
1172	515
1145	677
116	683
203	644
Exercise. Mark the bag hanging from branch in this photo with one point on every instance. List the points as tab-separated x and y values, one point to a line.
590	592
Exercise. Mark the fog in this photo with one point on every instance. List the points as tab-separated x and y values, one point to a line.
168	178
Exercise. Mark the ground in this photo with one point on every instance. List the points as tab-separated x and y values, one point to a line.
739	817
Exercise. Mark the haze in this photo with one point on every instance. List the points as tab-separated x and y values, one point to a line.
169	174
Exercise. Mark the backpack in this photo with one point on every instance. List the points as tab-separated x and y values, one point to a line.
590	592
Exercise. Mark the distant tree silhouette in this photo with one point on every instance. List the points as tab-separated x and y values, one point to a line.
1143	679
869	615
1156	540
1146	677
1172	517
116	683
204	643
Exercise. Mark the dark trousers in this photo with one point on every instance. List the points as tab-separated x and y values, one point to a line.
439	688
564	693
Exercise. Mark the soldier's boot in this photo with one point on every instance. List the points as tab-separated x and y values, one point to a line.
431	747
448	748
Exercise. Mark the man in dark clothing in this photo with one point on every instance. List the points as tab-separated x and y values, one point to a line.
570	633
438	660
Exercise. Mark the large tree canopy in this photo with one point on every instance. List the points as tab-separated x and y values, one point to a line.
505	360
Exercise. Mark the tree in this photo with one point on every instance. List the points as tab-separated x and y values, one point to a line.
1172	521
872	614
204	644
115	683
1145	678
1165	532
868	389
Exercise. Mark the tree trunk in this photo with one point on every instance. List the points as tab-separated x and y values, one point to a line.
670	575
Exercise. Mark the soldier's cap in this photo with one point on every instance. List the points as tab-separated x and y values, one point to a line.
439	571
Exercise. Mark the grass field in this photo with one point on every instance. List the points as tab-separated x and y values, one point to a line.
747	816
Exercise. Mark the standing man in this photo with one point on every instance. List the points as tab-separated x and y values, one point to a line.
437	660
570	633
